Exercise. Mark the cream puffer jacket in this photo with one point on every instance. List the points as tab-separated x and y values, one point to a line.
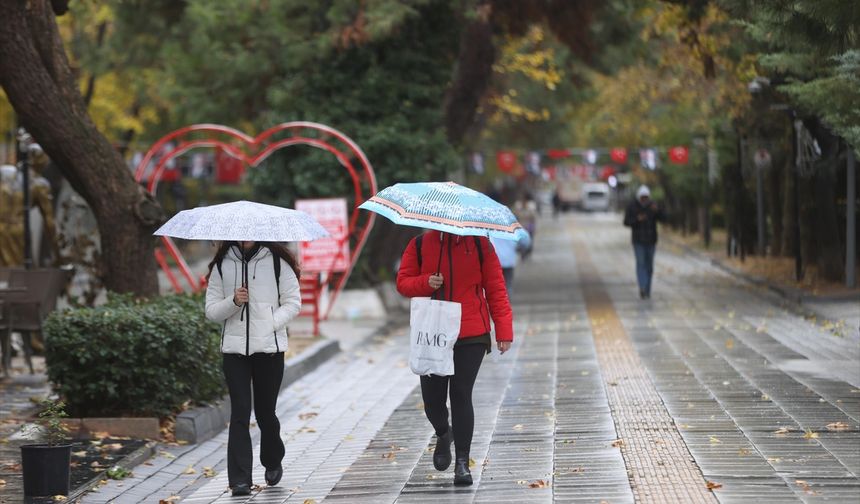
262	327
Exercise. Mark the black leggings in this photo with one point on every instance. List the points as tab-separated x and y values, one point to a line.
261	374
434	389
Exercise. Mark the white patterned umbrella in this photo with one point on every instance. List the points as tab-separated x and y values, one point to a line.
243	221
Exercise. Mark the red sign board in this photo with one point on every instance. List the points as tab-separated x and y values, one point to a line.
320	255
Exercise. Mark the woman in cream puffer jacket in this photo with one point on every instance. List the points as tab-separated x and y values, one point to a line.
254	307
259	326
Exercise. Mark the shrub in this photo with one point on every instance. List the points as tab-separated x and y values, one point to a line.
134	358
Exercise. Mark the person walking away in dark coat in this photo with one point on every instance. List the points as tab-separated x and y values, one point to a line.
642	216
466	270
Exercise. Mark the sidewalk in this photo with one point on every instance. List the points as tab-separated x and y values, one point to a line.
838	308
712	391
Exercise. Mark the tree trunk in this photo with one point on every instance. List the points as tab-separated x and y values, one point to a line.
473	75
36	77
826	233
788	205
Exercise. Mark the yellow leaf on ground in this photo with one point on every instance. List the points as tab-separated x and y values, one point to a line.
809	434
472	463
712	485
730	343
538	484
190	470
618	443
309	501
714	440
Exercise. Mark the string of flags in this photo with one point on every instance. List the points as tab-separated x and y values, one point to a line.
510	161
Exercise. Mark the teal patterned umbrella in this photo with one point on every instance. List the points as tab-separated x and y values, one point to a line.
447	207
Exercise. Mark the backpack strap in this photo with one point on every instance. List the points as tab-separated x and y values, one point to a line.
418	241
480	251
276	262
218	264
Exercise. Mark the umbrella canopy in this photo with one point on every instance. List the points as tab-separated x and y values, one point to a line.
243	221
447	207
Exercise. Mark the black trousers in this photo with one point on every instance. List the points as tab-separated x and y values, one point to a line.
434	389
260	374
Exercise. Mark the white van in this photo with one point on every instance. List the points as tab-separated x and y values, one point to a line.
595	197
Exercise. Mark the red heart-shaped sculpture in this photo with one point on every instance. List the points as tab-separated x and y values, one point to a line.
252	151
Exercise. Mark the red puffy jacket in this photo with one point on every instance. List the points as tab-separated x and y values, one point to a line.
480	290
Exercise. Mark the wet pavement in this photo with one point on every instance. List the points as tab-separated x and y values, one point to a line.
709	392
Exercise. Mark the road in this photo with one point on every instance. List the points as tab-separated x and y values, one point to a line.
603	398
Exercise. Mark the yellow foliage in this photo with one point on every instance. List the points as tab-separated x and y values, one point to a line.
642	103
529	57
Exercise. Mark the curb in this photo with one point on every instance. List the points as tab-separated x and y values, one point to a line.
203	423
793	295
129	462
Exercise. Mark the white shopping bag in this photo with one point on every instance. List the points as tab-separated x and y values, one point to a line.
433	329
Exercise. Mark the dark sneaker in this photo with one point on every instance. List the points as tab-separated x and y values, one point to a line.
462	474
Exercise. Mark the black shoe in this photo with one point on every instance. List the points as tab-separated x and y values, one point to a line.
442	453
241	489
462	474
273	476
642	294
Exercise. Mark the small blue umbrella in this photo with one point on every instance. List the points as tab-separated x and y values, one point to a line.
446	207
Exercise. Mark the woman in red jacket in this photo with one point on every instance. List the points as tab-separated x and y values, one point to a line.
464	269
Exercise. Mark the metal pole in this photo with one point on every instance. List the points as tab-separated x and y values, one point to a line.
851	226
759	203
23	143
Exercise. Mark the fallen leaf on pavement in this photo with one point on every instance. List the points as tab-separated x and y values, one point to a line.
309	501
538	484
618	443
60	498
782	430
2	483
82	453
170	500
712	485
838	426
714	440
809	434
472	463
730	343
208	472
308	415
805	486
307	429
518	427
744	451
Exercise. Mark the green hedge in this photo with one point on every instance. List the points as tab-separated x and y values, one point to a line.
134	358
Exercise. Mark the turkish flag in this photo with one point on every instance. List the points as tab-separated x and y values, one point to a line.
506	161
618	154
679	155
607	172
558	153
